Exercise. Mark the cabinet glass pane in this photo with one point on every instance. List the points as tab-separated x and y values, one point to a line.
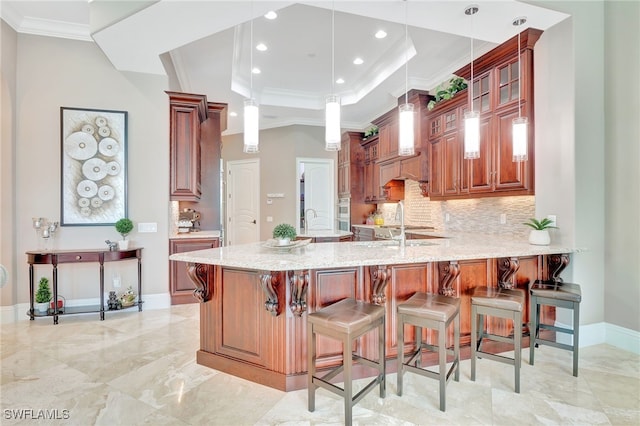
515	90
504	94
476	104
476	88
484	84
514	71
504	75
485	102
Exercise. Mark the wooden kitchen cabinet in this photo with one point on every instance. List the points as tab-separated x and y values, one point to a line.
180	285
351	167
186	113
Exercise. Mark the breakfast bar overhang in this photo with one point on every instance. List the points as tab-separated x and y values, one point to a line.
254	298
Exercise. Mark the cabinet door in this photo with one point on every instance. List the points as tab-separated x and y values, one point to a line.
180	286
344	180
184	153
509	175
368	182
435	170
451	162
478	172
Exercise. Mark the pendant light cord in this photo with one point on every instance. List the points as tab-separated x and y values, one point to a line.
333	44
471	82
519	79
251	55
406	52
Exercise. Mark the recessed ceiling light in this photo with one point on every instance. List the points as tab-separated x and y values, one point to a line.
271	15
256	70
358	61
340	81
381	34
233	114
261	47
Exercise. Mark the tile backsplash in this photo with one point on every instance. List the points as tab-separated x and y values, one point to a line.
477	214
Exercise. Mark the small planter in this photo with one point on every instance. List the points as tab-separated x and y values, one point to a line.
42	307
539	237
123	244
283	241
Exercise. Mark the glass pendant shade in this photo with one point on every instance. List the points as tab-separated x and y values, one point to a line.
520	133
332	123
405	135
471	135
250	126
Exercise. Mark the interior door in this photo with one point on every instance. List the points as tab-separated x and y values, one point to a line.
243	201
319	190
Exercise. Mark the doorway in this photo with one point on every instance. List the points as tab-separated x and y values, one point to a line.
316	191
243	202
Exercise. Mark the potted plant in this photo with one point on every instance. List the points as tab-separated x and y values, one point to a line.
43	295
456	84
284	233
124	226
539	235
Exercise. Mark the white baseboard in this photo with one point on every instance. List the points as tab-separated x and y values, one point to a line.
14	313
602	332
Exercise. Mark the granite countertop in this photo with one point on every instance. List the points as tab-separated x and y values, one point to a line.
327	233
457	246
197	234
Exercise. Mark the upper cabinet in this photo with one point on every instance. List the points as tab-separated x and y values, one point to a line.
501	91
187	112
351	167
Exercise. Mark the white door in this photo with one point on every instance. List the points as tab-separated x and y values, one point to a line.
243	201
319	190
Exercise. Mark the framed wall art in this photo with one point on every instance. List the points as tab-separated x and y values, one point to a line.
94	166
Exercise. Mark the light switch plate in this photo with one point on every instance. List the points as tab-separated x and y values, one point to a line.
148	227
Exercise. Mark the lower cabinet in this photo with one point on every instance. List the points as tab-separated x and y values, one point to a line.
180	286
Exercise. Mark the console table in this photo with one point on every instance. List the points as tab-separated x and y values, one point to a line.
56	257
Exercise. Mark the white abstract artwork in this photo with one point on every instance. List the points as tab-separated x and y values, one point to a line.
94	166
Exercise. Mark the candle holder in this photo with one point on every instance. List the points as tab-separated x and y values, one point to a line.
45	231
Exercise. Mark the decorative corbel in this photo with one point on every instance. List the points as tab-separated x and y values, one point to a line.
379	278
557	263
299	282
449	271
424	188
269	281
197	273
507	266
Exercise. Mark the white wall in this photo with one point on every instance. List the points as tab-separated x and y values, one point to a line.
55	72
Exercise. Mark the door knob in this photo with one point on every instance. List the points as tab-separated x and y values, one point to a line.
254	221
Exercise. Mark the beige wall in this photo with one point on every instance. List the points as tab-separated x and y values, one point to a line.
8	52
622	183
279	149
55	72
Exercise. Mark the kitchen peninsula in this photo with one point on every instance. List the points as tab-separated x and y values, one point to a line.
254	298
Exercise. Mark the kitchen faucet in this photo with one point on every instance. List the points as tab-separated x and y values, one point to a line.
306	221
400	212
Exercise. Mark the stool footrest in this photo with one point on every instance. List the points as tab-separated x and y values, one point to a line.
495	337
495	357
564	346
431	374
555	328
429	347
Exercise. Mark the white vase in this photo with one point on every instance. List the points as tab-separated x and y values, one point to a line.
539	237
123	244
283	241
42	307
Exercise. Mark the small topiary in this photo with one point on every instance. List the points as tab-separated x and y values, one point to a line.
283	231
43	295
124	226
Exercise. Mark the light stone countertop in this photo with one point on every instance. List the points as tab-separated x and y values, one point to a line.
458	246
197	234
326	233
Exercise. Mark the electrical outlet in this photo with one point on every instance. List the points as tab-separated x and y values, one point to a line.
552	218
447	218
503	218
116	281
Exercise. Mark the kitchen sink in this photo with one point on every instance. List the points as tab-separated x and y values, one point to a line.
395	243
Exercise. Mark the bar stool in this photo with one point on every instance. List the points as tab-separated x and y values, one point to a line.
436	312
345	320
502	303
562	295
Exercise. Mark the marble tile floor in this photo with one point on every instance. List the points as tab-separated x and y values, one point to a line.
139	368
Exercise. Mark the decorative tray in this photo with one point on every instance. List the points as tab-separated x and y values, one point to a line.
273	244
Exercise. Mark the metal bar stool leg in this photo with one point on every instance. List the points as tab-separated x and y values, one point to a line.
517	356
311	366
400	329
442	357
474	340
348	385
576	335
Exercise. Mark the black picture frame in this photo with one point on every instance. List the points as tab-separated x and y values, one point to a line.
93	170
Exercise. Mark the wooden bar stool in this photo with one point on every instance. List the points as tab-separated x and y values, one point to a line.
562	295
436	312
345	320
502	303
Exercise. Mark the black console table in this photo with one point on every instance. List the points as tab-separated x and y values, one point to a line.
56	257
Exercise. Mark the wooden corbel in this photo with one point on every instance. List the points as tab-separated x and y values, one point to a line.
449	271
197	273
269	281
379	278
299	282
507	266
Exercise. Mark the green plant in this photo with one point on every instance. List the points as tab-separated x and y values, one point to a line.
371	131
539	225
43	295
124	226
284	230
456	84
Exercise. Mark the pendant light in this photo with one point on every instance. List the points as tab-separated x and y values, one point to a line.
471	118
332	135
520	124
251	112
405	136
